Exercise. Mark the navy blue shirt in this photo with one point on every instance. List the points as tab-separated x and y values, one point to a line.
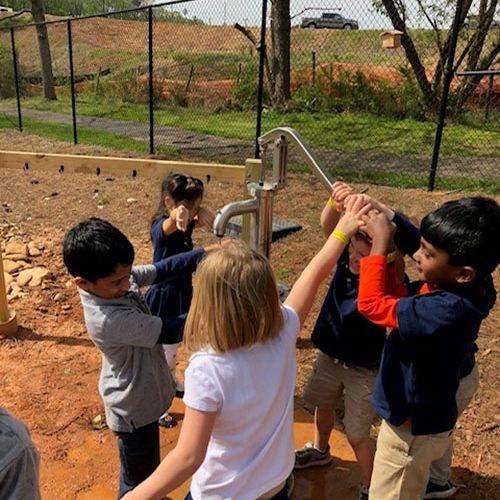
423	360
340	330
171	297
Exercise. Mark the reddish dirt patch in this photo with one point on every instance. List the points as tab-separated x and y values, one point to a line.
49	370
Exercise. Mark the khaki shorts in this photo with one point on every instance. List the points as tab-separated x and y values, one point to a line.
402	461
330	379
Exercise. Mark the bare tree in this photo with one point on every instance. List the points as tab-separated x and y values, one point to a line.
38	13
280	51
475	52
277	66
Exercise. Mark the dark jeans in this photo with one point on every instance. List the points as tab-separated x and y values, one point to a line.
139	455
281	495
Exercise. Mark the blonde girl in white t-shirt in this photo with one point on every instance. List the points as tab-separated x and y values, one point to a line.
236	439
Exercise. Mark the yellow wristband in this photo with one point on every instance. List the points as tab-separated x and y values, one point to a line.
341	236
391	257
332	203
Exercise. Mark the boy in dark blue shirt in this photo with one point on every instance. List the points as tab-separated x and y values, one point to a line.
350	348
435	326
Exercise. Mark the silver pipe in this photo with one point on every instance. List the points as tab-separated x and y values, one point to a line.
230	210
264	226
308	155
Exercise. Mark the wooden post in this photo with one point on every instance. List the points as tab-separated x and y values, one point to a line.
8	323
253	172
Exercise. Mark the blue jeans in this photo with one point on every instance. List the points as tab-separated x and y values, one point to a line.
139	455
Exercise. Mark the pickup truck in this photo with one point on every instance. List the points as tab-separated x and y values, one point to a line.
329	20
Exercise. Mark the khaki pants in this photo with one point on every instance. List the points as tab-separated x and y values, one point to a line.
441	469
402	461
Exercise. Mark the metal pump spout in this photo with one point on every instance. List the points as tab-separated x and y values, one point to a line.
262	193
230	210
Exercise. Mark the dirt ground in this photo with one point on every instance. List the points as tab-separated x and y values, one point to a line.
49	370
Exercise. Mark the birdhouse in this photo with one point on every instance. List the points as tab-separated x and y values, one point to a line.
391	39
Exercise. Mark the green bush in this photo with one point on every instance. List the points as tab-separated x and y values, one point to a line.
244	94
354	91
129	87
7	81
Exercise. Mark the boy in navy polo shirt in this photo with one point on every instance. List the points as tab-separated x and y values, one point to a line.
350	348
435	325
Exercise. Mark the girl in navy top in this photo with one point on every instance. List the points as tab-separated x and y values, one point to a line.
172	225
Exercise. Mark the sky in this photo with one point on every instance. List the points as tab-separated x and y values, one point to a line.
248	12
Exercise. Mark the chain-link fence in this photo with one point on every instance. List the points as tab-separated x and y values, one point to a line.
183	80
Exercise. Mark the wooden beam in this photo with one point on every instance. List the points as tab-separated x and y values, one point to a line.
127	167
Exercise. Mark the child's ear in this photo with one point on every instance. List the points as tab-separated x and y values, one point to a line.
465	274
81	282
169	202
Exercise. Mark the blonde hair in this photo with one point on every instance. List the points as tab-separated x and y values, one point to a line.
235	301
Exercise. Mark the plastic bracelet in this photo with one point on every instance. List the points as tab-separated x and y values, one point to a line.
331	202
391	257
341	236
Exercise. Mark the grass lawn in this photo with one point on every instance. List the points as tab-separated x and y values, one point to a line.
86	135
344	132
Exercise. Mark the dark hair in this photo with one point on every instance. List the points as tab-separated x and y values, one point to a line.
94	247
468	230
179	187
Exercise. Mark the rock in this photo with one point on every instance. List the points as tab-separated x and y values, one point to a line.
18	256
32	276
33	250
8	278
16	248
9	266
131	200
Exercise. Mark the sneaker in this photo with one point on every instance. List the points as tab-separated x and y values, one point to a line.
434	490
363	493
309	456
167	421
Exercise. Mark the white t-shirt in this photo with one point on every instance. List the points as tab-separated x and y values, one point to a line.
251	449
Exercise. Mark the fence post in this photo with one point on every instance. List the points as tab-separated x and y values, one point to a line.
72	82
16	80
151	93
313	62
260	88
444	97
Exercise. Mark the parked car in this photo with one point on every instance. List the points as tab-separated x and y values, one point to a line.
5	9
330	20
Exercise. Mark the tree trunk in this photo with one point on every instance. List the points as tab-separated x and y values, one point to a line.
280	51
412	55
38	13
